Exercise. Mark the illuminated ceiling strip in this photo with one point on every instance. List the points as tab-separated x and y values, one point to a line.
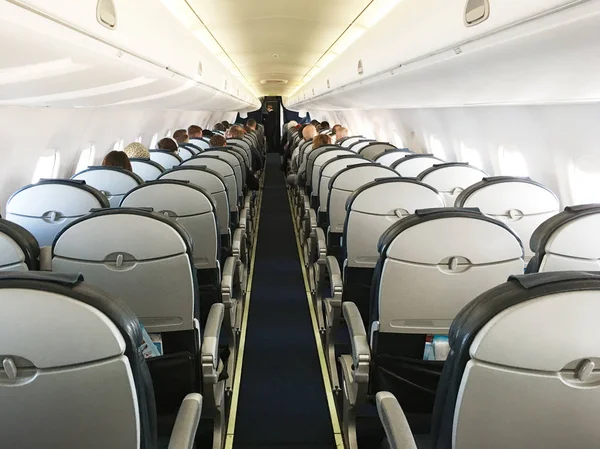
220	46
332	45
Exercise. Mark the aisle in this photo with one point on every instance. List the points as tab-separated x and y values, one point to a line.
282	402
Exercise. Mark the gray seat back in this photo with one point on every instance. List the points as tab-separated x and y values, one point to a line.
413	165
113	182
451	179
45	208
210	181
146	261
568	241
19	250
344	183
529	345
146	169
165	158
435	262
71	374
390	156
374	149
316	160
242	153
226	171
347	141
519	202
331	168
200	143
189	205
186	153
235	164
241	143
374	207
358	145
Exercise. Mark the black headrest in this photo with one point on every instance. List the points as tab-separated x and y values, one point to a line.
140	211
540	236
71	286
424	215
493	180
132	175
475	315
147	161
26	241
78	184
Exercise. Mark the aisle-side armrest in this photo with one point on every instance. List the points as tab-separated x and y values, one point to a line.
321	245
394	422
186	424
238	245
210	343
361	352
46	258
227	280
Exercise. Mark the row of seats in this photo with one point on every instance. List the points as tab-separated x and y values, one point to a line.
173	250
409	263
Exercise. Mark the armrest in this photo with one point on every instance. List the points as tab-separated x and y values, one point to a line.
227	280
238	245
361	352
335	281
321	244
46	258
186	424
210	343
394	422
243	218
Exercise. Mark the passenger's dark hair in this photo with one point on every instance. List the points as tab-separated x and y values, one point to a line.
324	125
207	133
217	140
180	136
194	130
315	122
167	144
219	127
226	124
117	159
251	123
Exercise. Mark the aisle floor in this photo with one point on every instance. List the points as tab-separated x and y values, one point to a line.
282	402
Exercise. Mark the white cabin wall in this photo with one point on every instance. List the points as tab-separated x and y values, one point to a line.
28	133
559	143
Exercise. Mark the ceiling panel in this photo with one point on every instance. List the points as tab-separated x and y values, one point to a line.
252	31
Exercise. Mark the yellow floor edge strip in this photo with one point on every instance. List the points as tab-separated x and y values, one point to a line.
240	360
339	441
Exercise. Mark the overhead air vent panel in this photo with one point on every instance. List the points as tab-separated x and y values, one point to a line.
476	12
106	13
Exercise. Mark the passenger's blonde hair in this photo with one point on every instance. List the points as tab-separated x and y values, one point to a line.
136	150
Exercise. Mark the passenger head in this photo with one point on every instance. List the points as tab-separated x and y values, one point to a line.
319	128
324	125
207	133
248	129
226	124
334	129
292	124
251	123
136	150
341	133
181	136
269	108
219	127
315	123
117	159
321	139
217	140
235	132
167	144
194	132
309	132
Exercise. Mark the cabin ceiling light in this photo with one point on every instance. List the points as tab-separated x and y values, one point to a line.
184	13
